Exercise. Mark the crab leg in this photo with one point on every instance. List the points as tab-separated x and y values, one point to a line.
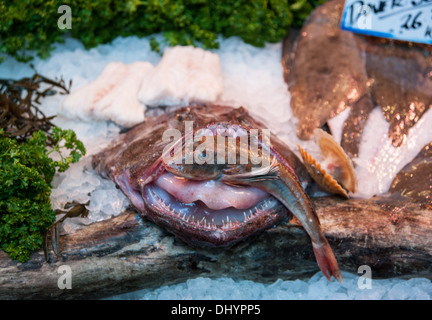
286	187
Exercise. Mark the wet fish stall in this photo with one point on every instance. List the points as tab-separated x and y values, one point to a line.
295	168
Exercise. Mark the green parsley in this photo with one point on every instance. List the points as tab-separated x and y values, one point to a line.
26	172
32	25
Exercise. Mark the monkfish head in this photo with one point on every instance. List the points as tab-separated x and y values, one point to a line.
199	189
214	185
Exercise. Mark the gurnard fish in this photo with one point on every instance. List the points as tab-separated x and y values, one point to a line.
213	203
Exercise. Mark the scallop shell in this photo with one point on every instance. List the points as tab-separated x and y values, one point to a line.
320	175
342	179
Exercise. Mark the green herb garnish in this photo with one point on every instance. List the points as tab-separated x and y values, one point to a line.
33	24
26	172
29	147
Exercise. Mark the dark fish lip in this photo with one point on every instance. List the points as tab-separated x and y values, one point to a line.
199	234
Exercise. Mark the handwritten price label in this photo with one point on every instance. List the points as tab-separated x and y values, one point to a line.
409	20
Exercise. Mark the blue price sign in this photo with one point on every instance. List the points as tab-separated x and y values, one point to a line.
409	20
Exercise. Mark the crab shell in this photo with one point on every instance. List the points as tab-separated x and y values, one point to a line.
335	173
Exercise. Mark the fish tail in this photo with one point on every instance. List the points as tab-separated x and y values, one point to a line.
283	184
289	191
326	260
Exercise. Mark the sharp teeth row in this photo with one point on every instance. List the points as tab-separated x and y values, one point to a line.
264	206
226	224
187	218
249	214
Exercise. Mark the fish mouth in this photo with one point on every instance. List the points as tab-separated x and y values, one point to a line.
203	216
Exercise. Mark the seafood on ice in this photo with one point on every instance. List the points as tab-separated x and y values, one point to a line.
122	92
112	96
374	94
185	197
184	76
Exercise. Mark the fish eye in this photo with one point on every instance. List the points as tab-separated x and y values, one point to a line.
202	155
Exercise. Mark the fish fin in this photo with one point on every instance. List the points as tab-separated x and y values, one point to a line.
270	172
327	261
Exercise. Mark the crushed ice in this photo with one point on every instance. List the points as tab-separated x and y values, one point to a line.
315	288
252	78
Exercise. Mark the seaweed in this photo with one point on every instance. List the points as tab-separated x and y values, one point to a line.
20	115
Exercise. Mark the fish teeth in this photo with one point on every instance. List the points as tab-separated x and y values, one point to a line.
203	222
198	223
226	223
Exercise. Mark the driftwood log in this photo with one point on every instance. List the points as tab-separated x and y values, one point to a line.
127	253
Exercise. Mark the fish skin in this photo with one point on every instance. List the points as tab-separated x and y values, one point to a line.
354	125
414	181
402	83
325	65
322	81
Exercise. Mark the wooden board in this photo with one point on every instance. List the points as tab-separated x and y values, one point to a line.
128	253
